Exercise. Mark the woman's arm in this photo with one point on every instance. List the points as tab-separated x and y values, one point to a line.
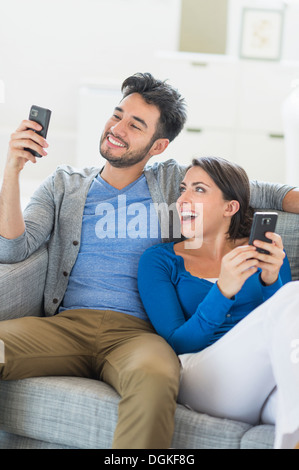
160	300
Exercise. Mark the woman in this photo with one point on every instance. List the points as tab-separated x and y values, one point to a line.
218	303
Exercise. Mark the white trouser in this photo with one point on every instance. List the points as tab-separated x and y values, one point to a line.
234	377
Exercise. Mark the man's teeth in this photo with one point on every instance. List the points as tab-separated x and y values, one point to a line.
115	142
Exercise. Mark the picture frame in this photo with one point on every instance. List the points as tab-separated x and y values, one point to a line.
261	34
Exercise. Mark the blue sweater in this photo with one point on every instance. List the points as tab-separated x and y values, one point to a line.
189	312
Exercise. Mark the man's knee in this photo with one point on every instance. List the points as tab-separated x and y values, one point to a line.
154	381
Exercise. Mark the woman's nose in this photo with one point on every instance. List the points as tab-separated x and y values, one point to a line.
184	197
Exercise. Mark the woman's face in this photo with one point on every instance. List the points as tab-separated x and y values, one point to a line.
201	206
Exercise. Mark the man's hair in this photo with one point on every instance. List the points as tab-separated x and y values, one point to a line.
234	184
167	99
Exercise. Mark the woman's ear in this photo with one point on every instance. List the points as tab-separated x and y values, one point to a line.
232	208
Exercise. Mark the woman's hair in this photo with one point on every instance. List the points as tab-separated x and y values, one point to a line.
171	105
234	184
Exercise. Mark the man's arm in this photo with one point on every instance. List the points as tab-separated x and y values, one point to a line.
264	195
290	202
11	219
12	223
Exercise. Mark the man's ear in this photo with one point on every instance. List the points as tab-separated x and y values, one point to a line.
159	146
232	208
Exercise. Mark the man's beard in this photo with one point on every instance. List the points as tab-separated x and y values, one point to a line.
127	159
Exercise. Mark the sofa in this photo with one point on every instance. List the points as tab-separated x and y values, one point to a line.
78	413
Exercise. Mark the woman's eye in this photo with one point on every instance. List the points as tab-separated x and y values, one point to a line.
199	190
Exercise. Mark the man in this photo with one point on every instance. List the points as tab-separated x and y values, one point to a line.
95	325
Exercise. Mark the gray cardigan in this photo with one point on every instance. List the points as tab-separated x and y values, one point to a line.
55	211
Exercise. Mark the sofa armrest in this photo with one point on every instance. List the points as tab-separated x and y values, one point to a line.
22	286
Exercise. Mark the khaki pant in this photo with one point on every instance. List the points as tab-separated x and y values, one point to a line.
119	349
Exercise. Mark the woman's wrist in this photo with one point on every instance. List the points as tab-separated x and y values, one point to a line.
268	281
225	291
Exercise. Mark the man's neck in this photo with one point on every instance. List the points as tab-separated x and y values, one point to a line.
119	178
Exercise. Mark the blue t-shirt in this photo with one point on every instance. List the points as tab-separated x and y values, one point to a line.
117	227
189	312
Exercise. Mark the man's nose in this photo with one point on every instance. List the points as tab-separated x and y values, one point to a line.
119	128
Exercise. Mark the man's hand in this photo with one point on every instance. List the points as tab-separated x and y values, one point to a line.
12	223
24	137
270	264
236	267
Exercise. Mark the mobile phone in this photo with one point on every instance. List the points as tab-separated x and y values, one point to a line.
41	116
262	222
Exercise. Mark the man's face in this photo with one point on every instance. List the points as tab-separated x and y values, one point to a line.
128	135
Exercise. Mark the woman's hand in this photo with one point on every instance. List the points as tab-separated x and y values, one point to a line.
236	267
270	264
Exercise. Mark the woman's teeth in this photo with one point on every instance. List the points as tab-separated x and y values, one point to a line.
186	215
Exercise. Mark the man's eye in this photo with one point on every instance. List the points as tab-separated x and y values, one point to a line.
116	116
135	127
181	189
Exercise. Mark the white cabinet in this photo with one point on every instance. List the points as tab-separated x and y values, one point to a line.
191	144
210	99
236	108
261	155
262	89
2	91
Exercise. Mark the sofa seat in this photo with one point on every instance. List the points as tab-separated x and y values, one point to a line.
72	412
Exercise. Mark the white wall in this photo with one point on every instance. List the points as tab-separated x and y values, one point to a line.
49	47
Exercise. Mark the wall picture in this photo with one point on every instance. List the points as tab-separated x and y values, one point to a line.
261	34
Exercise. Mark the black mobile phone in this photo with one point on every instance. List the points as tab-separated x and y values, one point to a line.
262	222
41	116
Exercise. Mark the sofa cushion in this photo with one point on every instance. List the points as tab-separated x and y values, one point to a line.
199	431
71	411
259	437
12	441
82	413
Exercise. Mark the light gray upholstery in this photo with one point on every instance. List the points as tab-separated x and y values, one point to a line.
22	286
288	228
70	412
